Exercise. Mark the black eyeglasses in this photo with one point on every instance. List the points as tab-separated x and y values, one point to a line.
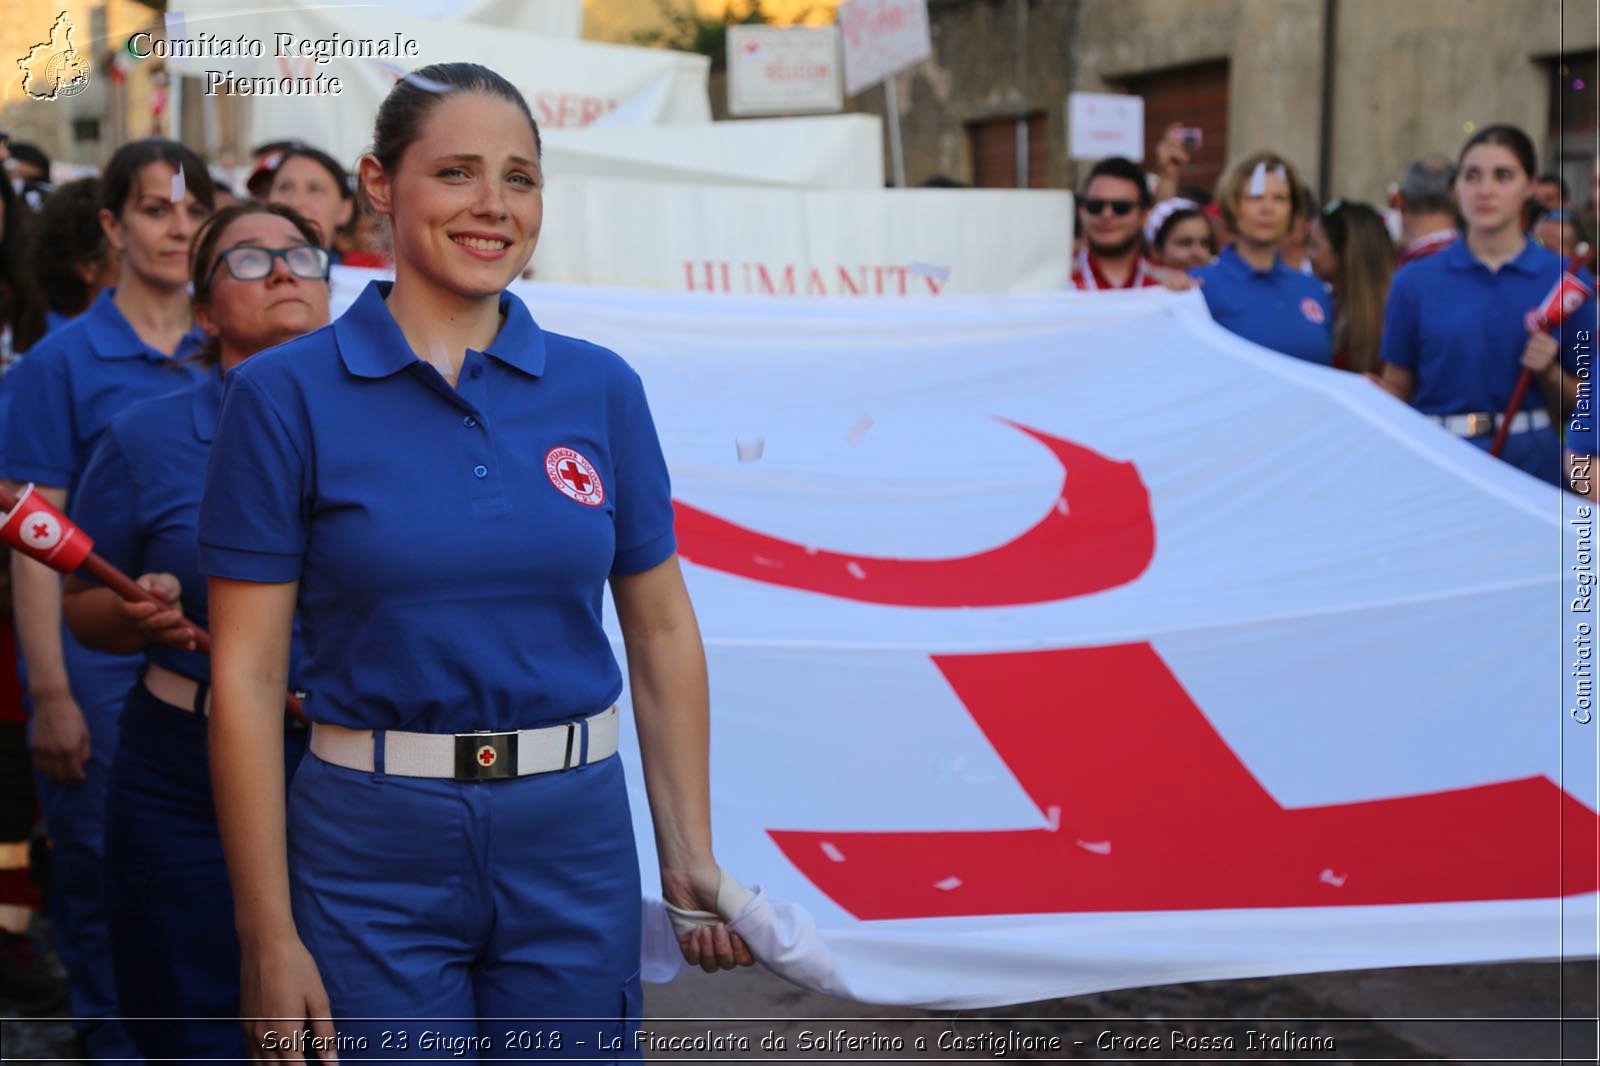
249	263
1095	205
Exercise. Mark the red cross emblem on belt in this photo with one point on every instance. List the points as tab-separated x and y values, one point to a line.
487	755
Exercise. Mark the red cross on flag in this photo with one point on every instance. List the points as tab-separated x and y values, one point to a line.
35	527
1564	298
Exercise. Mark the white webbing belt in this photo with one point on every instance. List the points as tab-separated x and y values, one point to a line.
1481	424
538	751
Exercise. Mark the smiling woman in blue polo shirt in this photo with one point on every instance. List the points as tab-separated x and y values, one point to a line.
445	489
1454	335
1248	288
126	347
259	279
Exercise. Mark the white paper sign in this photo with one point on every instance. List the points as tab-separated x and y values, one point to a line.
775	71
882	37
1103	124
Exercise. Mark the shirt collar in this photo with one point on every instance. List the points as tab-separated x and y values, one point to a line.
1235	263
205	400
111	335
372	346
1459	257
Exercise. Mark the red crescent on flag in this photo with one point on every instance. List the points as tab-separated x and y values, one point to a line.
1097	534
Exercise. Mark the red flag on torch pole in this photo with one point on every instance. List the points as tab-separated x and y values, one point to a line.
35	527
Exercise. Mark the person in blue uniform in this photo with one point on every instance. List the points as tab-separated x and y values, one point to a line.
1455	337
1248	288
127	346
259	279
445	490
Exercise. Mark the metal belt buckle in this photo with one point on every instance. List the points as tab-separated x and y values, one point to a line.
1480	424
486	756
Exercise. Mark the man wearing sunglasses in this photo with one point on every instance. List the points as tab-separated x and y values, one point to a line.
1111	214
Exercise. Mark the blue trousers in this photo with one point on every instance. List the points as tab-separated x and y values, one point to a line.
500	919
168	901
74	816
1537	451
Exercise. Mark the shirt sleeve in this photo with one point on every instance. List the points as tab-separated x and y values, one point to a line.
644	491
254	511
1399	345
106	506
39	444
1577	357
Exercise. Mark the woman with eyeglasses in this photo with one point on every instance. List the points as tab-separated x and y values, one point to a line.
1248	288
129	345
260	279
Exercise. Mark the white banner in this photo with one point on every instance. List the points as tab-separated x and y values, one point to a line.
882	38
774	71
1066	643
707	238
567	83
822	152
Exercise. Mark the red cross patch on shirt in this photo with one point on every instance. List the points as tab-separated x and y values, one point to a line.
574	476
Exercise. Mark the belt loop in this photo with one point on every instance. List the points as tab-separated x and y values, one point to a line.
378	738
202	689
583	757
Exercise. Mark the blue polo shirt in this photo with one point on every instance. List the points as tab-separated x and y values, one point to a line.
452	545
1458	326
73	382
139	498
64	393
1280	308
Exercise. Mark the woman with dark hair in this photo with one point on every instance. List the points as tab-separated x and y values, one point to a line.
21	310
1249	289
127	346
1350	250
1180	236
459	845
1455	336
313	183
260	278
72	259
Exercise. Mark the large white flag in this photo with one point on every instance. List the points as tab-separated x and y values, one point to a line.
1065	643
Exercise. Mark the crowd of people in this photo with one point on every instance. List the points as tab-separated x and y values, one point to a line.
128	299
1435	310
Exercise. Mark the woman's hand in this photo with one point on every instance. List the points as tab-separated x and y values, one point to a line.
280	994
157	624
1540	353
712	947
60	737
1171	155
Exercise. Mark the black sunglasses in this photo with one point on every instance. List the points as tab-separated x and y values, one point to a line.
1095	205
249	263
